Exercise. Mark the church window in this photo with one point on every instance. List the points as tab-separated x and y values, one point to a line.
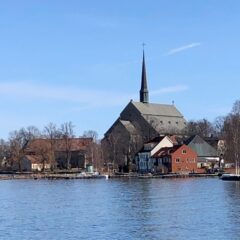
161	122
177	123
169	122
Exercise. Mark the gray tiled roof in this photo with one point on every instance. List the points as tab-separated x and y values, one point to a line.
201	147
157	109
162	117
129	126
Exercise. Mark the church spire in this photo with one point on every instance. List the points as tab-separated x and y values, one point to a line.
144	89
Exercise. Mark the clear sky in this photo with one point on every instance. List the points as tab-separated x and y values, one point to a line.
80	61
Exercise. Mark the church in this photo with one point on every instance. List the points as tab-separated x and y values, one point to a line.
138	123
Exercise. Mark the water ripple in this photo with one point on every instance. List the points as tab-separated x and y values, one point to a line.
120	209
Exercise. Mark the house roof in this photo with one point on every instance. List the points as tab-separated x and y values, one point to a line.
35	159
156	139
150	145
167	151
77	144
201	147
213	141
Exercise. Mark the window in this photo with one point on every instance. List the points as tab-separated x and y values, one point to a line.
177	123
184	151
177	160
169	122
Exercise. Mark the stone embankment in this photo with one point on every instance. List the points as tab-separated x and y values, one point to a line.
55	176
50	176
149	175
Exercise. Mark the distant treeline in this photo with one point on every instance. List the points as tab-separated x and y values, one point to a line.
226	128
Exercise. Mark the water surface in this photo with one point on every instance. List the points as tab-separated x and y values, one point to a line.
120	209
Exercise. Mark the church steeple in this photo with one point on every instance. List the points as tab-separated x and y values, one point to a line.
144	88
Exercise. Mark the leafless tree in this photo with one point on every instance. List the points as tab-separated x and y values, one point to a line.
67	134
236	107
4	153
120	148
52	133
231	131
202	127
111	149
135	142
91	134
19	140
94	150
43	151
218	126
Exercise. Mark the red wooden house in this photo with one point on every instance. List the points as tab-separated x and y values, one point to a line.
177	159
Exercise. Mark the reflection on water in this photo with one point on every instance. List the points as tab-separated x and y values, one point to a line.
120	209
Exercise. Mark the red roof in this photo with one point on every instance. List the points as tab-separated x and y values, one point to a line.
167	151
35	159
75	144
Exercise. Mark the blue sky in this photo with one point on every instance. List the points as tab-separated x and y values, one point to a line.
80	61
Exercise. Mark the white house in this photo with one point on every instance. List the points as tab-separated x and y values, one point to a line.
144	161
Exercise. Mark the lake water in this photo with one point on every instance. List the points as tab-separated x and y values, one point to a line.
120	209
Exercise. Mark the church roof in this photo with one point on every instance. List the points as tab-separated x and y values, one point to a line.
162	117
129	126
157	109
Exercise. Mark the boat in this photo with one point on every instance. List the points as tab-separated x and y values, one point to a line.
230	177
233	177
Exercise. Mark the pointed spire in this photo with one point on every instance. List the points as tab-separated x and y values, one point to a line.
144	88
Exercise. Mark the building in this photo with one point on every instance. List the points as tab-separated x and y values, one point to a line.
44	154
35	163
138	123
144	160
177	159
207	155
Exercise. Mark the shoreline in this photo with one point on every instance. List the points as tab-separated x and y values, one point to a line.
58	176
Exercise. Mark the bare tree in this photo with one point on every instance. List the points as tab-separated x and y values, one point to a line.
135	142
4	153
112	141
232	135
43	152
236	107
218	126
120	148
52	133
19	140
94	149
202	127
91	134
67	134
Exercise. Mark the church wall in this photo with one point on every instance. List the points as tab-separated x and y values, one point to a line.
130	113
116	146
